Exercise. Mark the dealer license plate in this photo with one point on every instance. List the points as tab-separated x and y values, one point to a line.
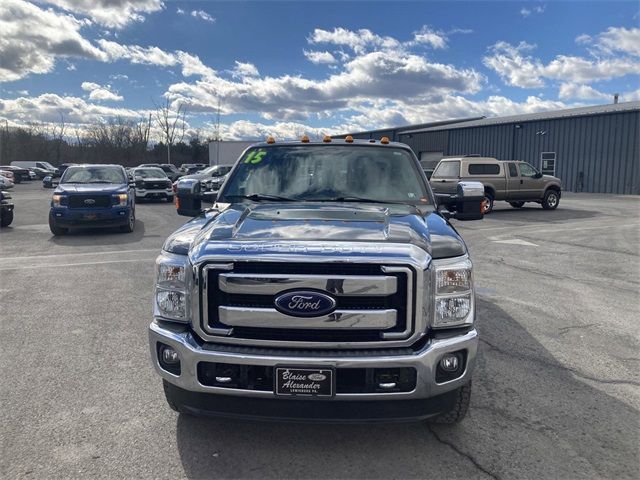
316	382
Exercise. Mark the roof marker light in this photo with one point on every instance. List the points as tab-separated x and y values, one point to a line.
270	139
373	140
304	139
326	139
384	140
348	139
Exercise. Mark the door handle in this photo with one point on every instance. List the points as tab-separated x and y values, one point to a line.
521	181
442	181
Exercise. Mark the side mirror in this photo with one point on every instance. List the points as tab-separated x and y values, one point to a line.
188	197
469	201
538	175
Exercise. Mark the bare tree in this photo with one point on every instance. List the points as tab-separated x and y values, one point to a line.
171	123
57	135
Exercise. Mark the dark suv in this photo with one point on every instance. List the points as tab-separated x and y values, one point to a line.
91	196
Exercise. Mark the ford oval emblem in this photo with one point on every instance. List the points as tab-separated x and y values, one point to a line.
316	377
89	201
304	303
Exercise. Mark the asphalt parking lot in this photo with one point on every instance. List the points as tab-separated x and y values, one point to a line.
556	389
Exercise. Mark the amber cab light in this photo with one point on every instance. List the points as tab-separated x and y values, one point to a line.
384	140
348	139
270	139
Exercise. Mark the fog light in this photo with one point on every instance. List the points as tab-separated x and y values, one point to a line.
170	356
450	362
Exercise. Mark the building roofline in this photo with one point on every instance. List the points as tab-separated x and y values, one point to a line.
538	116
402	130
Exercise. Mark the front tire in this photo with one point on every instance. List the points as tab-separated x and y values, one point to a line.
551	200
131	223
517	204
459	407
6	219
488	203
56	230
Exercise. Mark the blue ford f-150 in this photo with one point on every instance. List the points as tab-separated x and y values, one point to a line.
91	196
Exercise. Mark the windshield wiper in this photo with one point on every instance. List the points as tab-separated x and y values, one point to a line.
99	181
357	199
257	197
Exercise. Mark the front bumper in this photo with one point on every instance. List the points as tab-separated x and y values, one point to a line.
425	360
90	217
154	193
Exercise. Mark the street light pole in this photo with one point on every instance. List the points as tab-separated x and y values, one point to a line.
2	134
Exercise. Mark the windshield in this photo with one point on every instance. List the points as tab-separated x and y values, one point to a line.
216	170
149	173
91	174
326	173
46	165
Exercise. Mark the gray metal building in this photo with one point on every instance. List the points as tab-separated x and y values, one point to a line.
592	149
393	133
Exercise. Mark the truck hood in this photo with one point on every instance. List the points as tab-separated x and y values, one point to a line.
336	222
90	188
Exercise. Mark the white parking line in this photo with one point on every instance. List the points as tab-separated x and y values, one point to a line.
37	257
49	265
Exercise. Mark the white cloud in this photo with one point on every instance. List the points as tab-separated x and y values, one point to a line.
525	12
180	11
191	64
49	107
429	37
319	57
361	41
382	74
517	68
242	70
513	66
247	130
110	13
581	92
32	38
100	92
619	40
201	14
583	39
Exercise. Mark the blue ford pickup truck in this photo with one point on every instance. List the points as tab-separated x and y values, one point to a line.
325	283
91	196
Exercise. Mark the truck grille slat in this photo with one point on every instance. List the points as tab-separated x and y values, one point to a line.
386	299
89	201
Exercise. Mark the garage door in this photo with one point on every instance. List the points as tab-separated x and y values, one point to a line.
430	159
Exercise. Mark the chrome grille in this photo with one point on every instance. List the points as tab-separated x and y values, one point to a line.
374	301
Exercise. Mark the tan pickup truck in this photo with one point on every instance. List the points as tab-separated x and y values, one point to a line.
508	180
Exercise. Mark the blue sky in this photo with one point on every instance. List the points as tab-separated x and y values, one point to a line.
289	67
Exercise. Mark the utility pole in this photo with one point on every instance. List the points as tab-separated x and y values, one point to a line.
218	134
2	135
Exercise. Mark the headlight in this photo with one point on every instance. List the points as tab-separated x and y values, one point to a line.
121	199
171	297
58	200
454	296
